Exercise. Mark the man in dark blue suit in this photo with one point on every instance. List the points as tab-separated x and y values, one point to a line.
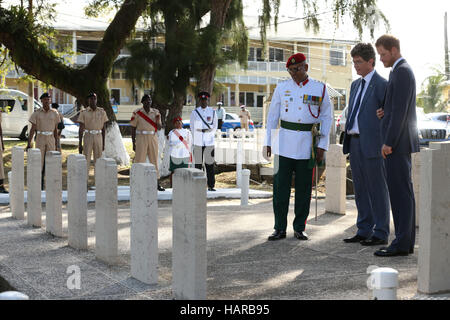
363	141
400	139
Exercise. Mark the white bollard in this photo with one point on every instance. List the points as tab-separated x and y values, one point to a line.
415	176
53	193
434	245
144	223
34	174
239	156
106	224
189	235
77	201
384	282
13	295
16	183
245	187
335	200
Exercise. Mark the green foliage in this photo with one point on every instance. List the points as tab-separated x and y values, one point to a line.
431	97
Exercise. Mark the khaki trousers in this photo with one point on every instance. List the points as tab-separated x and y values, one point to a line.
92	143
244	125
147	146
45	143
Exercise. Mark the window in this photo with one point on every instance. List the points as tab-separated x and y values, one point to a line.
7	105
342	100
250	99
232	98
228	117
276	54
115	94
87	46
337	55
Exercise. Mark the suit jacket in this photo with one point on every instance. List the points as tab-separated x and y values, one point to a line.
368	122
399	124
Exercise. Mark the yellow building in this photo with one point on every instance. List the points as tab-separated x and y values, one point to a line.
329	61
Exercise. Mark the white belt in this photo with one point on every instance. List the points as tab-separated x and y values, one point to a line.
45	133
144	132
94	131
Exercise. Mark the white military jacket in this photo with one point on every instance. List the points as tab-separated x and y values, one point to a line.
177	147
298	103
196	124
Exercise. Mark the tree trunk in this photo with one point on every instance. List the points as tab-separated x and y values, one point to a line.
219	9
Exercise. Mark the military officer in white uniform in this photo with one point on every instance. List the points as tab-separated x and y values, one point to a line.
203	125
303	108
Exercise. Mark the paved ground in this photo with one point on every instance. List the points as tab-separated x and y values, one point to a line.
241	263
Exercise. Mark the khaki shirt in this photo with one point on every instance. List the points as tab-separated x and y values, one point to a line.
245	115
140	123
93	120
45	120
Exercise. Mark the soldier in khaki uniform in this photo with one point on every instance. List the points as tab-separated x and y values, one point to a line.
44	123
245	117
2	147
92	126
145	122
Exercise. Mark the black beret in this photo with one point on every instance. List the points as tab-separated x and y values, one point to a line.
91	94
203	95
45	95
145	97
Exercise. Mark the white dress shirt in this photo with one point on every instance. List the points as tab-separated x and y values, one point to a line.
367	78
288	104
396	63
177	147
196	124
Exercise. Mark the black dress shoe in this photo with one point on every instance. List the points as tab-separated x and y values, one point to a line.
161	188
3	190
354	239
301	235
211	189
277	235
386	252
373	241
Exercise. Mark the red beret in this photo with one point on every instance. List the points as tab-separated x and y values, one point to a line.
295	58
177	119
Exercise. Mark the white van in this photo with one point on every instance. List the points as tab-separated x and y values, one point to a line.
13	105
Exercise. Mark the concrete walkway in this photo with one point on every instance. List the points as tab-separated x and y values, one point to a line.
242	264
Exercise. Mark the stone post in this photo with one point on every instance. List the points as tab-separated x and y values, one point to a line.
434	240
106	229
34	174
189	234
144	223
239	156
16	184
77	201
335	180
53	193
245	186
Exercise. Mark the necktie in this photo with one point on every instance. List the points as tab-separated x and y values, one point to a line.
356	107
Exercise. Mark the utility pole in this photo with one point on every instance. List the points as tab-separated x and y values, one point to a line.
447	63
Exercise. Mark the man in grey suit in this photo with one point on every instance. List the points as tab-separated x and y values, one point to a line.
363	141
400	139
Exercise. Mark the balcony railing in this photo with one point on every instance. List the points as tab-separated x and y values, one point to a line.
85	58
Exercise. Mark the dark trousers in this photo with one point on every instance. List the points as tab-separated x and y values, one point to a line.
284	169
207	153
219	124
371	193
401	193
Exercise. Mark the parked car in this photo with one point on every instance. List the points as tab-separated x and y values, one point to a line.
231	121
340	124
431	130
70	129
13	104
440	116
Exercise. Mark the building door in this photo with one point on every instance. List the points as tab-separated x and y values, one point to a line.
259	101
115	93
